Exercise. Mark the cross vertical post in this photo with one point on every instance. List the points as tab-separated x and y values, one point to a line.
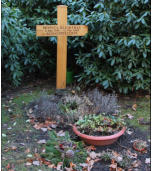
61	30
61	48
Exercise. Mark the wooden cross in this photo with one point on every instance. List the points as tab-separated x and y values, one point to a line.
61	30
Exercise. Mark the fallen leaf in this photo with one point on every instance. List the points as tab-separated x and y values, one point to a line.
147	161
38	126
147	96
22	144
13	147
9	110
131	155
117	156
30	111
136	163
59	165
128	131
8	166
51	166
130	116
27	150
36	163
120	169
3	135
9	128
29	160
28	164
61	133
113	166
41	141
53	126
93	155
44	129
134	107
14	123
72	165
90	148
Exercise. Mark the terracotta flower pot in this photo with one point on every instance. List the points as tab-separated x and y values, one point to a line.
137	149
99	140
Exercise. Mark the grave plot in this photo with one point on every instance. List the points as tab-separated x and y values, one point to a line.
37	132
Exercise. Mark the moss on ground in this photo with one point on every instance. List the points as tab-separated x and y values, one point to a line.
16	131
142	111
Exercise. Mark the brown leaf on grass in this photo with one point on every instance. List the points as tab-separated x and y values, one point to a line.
49	123
94	155
13	147
120	169
6	149
32	121
117	156
113	166
10	148
28	164
30	160
90	148
131	155
72	165
134	107
45	162
38	126
37	155
8	166
51	166
27	150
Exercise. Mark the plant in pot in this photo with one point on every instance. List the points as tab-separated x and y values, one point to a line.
105	126
140	145
99	129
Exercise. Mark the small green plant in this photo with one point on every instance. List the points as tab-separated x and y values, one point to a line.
63	149
100	124
140	144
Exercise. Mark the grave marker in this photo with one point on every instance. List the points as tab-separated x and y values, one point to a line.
61	30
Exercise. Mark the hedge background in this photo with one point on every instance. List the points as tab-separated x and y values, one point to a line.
114	54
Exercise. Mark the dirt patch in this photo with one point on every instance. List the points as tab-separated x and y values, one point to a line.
125	142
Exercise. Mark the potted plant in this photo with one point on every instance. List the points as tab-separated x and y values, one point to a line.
139	145
99	129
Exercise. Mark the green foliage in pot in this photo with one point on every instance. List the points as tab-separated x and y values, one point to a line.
140	144
100	125
60	148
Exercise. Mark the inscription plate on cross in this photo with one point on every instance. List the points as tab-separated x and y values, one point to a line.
61	30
